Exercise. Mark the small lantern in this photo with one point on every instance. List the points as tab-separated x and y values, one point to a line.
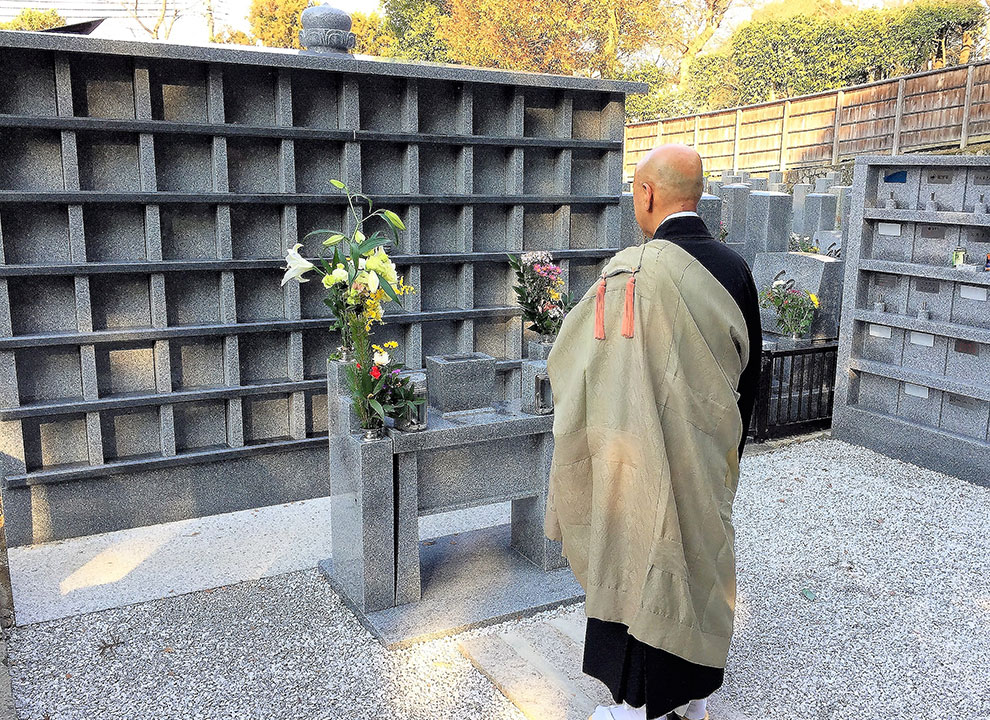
543	394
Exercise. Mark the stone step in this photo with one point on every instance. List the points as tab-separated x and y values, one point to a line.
538	668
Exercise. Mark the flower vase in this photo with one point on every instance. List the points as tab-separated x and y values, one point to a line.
372	434
540	349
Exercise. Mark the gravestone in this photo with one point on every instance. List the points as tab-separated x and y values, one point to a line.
776	176
139	304
758	183
799	192
844	195
828	242
819	213
813	273
768	224
710	210
734	204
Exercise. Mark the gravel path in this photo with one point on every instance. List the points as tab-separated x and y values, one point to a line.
895	558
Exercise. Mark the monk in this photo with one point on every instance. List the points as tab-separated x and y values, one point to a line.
654	375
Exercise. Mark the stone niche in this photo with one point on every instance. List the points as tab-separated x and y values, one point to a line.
818	274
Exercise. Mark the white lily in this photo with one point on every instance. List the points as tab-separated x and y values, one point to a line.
297	265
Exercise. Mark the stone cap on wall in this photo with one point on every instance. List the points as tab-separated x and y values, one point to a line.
278	57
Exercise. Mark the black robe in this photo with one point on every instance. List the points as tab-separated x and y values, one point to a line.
635	672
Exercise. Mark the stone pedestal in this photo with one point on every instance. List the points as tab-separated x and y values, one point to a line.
361	521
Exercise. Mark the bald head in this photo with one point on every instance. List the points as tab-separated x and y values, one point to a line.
669	179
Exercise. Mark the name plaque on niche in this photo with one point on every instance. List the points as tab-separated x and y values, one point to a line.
933	231
923	339
973	292
981	178
940	178
925	285
880	331
891	229
967	347
918	391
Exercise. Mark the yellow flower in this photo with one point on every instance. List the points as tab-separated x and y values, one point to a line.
380	263
392	344
814	299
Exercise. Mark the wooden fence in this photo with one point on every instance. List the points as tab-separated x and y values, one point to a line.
931	110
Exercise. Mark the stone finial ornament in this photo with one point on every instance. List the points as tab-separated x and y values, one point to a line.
326	29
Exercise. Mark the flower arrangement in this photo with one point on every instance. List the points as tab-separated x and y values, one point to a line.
378	388
802	243
723	232
358	275
359	278
539	289
795	308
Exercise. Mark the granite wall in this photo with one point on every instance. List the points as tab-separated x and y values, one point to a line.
153	369
914	351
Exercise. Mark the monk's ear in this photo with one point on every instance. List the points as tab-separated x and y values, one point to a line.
648	195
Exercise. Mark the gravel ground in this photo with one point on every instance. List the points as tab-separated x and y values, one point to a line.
895	622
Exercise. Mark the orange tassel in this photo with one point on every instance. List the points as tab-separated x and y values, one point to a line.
600	311
628	317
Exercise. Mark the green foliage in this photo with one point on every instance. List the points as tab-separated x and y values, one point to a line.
800	47
795	307
31	19
806	54
661	100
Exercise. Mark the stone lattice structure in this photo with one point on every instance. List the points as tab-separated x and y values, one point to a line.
152	367
914	353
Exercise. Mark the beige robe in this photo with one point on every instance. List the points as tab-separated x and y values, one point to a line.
645	464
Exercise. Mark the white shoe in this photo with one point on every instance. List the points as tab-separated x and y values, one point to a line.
618	712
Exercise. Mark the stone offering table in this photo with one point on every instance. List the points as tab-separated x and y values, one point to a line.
474	452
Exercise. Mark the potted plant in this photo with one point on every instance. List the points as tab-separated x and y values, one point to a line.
539	289
795	308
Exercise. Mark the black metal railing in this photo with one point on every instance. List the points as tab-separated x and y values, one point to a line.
797	387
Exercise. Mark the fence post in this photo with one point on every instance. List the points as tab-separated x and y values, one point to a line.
762	409
735	142
659	129
967	104
696	122
839	99
898	114
783	135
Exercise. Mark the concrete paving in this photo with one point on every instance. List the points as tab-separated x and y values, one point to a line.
99	572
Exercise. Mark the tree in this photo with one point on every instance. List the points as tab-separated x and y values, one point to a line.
276	23
30	19
699	20
592	37
374	36
161	25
